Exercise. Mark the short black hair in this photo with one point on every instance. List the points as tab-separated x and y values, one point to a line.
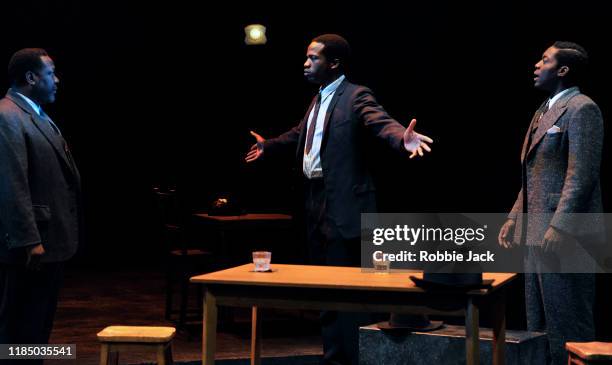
575	57
336	48
24	60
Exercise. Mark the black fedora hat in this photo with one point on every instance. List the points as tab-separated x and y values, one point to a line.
410	322
455	282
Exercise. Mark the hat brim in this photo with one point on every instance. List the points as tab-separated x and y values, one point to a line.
434	285
431	326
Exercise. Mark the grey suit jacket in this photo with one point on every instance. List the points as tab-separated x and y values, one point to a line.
39	186
561	171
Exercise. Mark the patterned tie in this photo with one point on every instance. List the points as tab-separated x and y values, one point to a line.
537	121
313	125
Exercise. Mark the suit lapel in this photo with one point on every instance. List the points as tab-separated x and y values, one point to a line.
533	120
550	118
330	111
44	127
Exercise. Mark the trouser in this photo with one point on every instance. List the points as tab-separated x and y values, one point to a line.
28	300
559	304
340	330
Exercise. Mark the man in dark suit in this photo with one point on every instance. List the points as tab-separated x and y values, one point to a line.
39	201
330	148
561	193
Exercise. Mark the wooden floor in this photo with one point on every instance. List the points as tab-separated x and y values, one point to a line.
93	299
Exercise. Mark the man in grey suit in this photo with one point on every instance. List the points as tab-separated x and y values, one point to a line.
39	201
561	159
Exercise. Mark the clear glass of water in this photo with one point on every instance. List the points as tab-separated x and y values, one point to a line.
262	259
381	266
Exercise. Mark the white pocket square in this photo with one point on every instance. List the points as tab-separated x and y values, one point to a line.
554	129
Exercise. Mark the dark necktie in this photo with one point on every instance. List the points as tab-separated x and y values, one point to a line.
313	124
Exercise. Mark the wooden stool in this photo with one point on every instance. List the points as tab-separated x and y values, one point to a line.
118	338
587	353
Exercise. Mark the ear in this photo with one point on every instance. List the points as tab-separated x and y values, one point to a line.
562	71
335	64
30	78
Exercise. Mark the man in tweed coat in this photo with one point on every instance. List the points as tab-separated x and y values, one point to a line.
561	159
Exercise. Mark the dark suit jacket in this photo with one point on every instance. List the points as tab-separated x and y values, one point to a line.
353	112
39	186
561	185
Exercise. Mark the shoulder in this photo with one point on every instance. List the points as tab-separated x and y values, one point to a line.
355	89
580	101
10	113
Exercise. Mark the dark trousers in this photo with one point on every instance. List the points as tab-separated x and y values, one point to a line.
340	330
562	306
559	304
28	300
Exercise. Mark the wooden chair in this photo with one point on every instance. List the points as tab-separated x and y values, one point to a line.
114	339
182	260
589	353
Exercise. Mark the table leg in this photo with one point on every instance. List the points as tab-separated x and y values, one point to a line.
472	336
499	329
255	338
209	333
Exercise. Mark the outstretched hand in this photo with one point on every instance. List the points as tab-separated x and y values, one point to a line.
256	150
415	142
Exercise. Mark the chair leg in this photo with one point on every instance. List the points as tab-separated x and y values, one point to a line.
169	290
200	298
184	301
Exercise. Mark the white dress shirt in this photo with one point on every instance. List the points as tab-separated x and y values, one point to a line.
312	161
559	95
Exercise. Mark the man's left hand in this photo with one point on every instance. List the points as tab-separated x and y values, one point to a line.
554	240
415	142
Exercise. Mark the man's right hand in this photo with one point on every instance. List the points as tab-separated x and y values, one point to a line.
506	234
34	255
256	150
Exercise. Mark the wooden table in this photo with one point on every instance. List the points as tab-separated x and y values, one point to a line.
346	289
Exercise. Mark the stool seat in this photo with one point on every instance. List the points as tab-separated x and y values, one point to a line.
591	351
136	334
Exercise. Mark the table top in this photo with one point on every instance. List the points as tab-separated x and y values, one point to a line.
244	217
330	277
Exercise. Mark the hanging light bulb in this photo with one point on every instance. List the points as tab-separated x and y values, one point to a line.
255	34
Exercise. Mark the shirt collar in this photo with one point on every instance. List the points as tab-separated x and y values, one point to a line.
331	88
560	94
34	106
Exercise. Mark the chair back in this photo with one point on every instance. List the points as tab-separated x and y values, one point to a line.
169	218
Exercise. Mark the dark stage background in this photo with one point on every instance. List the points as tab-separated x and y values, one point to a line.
166	93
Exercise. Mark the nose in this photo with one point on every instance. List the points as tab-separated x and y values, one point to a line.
538	65
55	79
307	63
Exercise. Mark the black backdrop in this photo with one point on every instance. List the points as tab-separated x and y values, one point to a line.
166	93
